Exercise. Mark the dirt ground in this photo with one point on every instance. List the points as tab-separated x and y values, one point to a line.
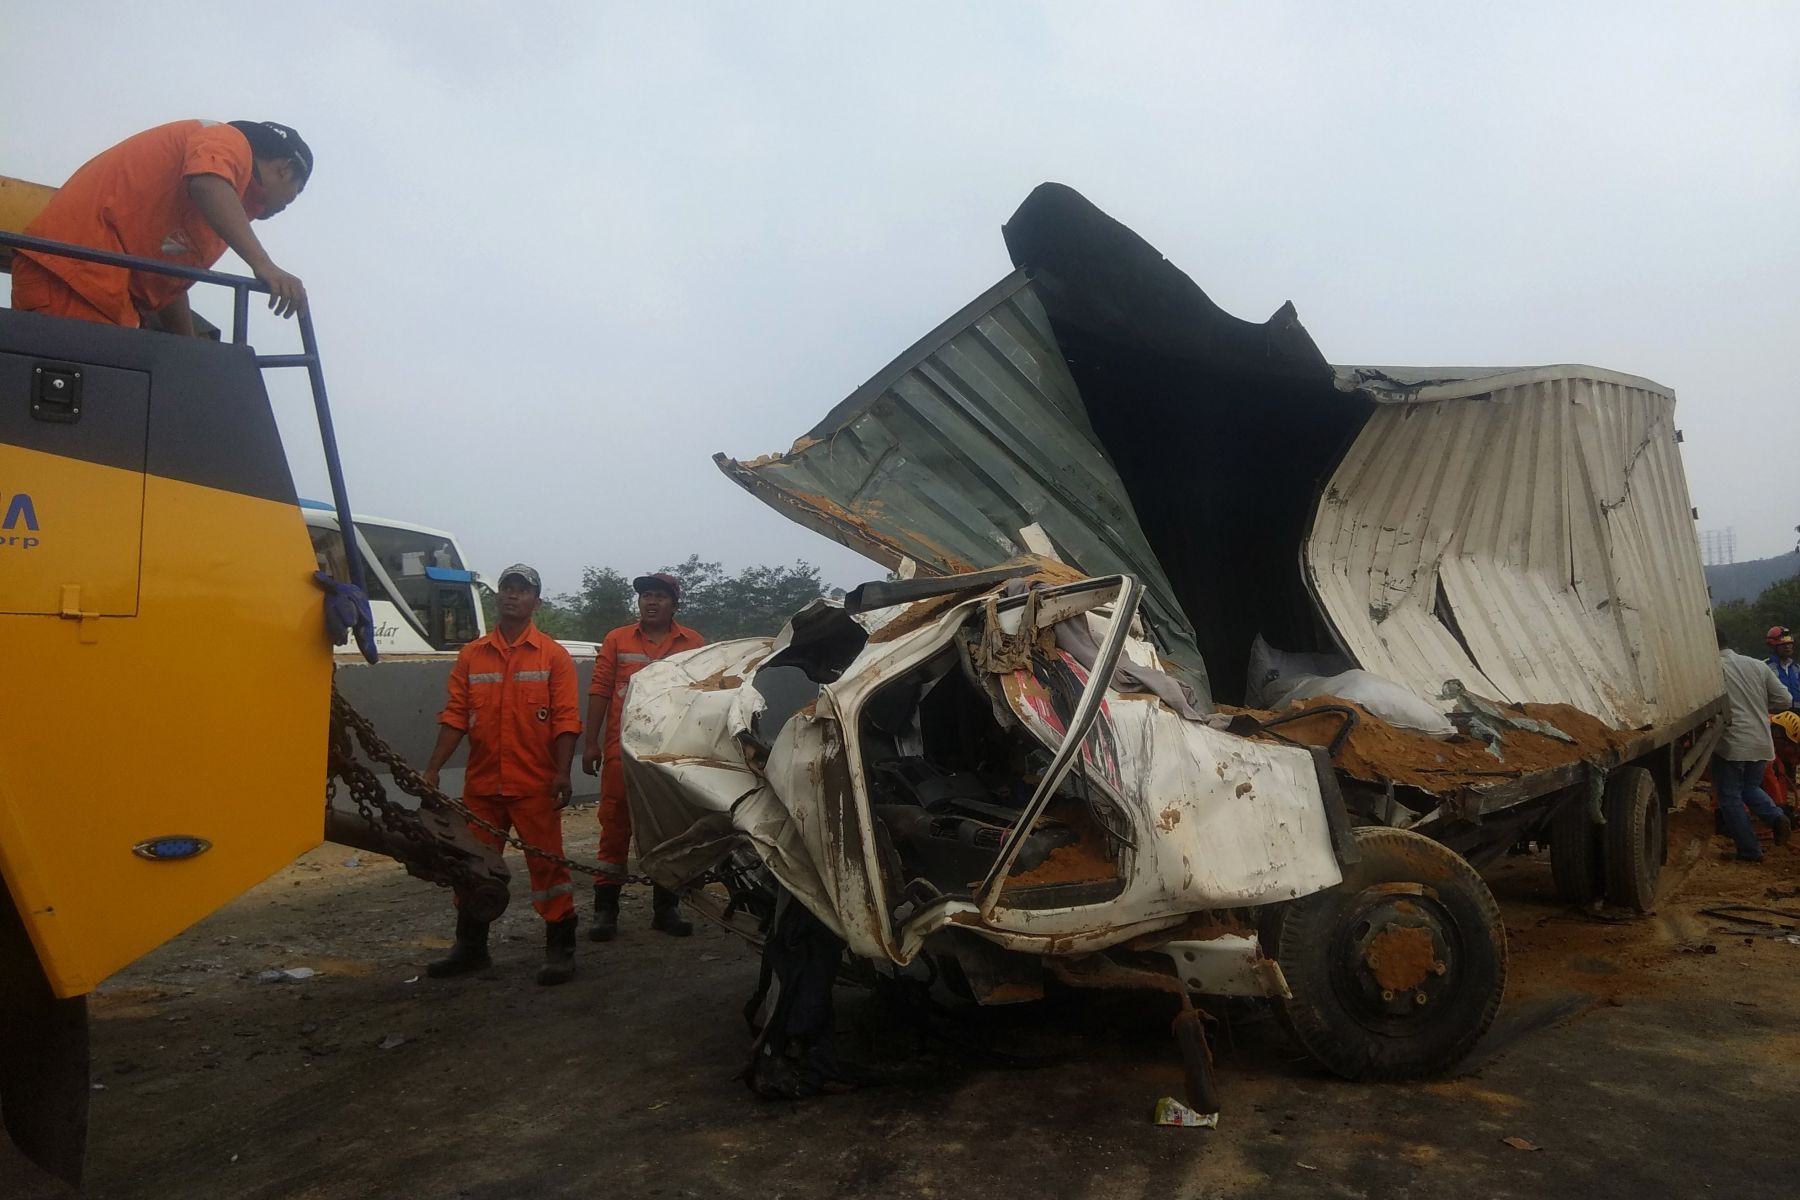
1650	1057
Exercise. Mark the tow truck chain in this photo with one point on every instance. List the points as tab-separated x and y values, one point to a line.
369	794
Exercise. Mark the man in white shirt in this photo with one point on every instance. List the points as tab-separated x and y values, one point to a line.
1752	692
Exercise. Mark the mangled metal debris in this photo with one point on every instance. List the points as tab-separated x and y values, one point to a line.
1062	771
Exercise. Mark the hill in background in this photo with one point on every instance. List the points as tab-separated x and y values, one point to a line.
1748	580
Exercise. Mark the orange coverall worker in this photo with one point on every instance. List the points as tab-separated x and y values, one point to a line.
133	199
514	701
625	651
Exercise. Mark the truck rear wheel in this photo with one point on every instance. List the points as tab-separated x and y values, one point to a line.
1577	859
43	1067
1633	838
1398	970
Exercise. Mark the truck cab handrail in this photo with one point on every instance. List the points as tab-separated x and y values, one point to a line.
241	286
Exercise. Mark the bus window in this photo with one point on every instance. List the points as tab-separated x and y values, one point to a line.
405	554
328	553
456	617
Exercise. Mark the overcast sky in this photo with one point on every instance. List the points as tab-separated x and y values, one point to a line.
560	253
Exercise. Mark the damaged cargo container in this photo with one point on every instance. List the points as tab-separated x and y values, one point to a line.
1041	756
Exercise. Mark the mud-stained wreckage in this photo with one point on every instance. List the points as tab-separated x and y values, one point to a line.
1029	760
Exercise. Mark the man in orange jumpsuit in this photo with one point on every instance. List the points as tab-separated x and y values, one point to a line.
513	693
626	651
181	192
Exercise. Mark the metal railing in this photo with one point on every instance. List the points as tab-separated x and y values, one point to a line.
241	286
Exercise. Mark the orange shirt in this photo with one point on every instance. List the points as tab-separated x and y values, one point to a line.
133	199
513	702
626	651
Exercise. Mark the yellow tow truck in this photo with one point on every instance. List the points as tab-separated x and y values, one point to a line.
147	514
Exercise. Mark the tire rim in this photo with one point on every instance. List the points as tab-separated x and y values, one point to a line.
1400	963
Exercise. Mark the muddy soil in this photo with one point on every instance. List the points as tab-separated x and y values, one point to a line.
1644	1057
1377	752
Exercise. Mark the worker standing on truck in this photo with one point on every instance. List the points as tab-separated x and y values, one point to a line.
181	192
1781	661
1752	693
513	693
626	651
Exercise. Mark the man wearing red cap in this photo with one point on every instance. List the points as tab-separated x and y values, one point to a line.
626	651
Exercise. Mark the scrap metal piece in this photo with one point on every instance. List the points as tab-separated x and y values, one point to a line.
1229	965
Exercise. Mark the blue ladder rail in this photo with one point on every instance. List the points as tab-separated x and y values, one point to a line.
241	287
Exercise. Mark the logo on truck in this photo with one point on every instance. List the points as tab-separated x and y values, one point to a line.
21	513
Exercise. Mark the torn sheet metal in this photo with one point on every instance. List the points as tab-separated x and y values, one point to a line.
1527	533
1525	529
1231	964
973	435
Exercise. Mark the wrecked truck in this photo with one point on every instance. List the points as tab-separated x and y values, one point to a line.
1032	757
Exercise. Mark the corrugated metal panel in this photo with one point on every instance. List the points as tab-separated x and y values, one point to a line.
1392	384
1548	519
972	435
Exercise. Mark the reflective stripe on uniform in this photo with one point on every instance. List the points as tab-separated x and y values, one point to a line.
532	676
561	889
611	868
485	677
644	658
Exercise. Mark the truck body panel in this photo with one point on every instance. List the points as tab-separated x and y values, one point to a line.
170	580
1528	533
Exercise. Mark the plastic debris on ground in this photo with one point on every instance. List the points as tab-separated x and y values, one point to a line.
1170	1111
287	974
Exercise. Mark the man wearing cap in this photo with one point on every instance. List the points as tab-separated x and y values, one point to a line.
1781	660
626	651
513	693
1752	692
181	192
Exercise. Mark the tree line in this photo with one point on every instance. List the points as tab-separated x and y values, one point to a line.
1745	623
758	600
755	602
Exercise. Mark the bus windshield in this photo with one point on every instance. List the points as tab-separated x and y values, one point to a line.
431	578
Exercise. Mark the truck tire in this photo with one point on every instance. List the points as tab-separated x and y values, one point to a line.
1397	971
1577	858
1633	838
43	1059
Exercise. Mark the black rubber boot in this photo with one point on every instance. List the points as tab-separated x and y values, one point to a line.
559	952
666	906
606	913
470	953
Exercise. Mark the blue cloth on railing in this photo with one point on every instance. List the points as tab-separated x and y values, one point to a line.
347	612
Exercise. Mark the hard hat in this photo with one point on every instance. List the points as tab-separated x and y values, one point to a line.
1779	634
1790	724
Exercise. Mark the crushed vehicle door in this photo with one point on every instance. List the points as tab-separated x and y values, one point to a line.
1076	727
